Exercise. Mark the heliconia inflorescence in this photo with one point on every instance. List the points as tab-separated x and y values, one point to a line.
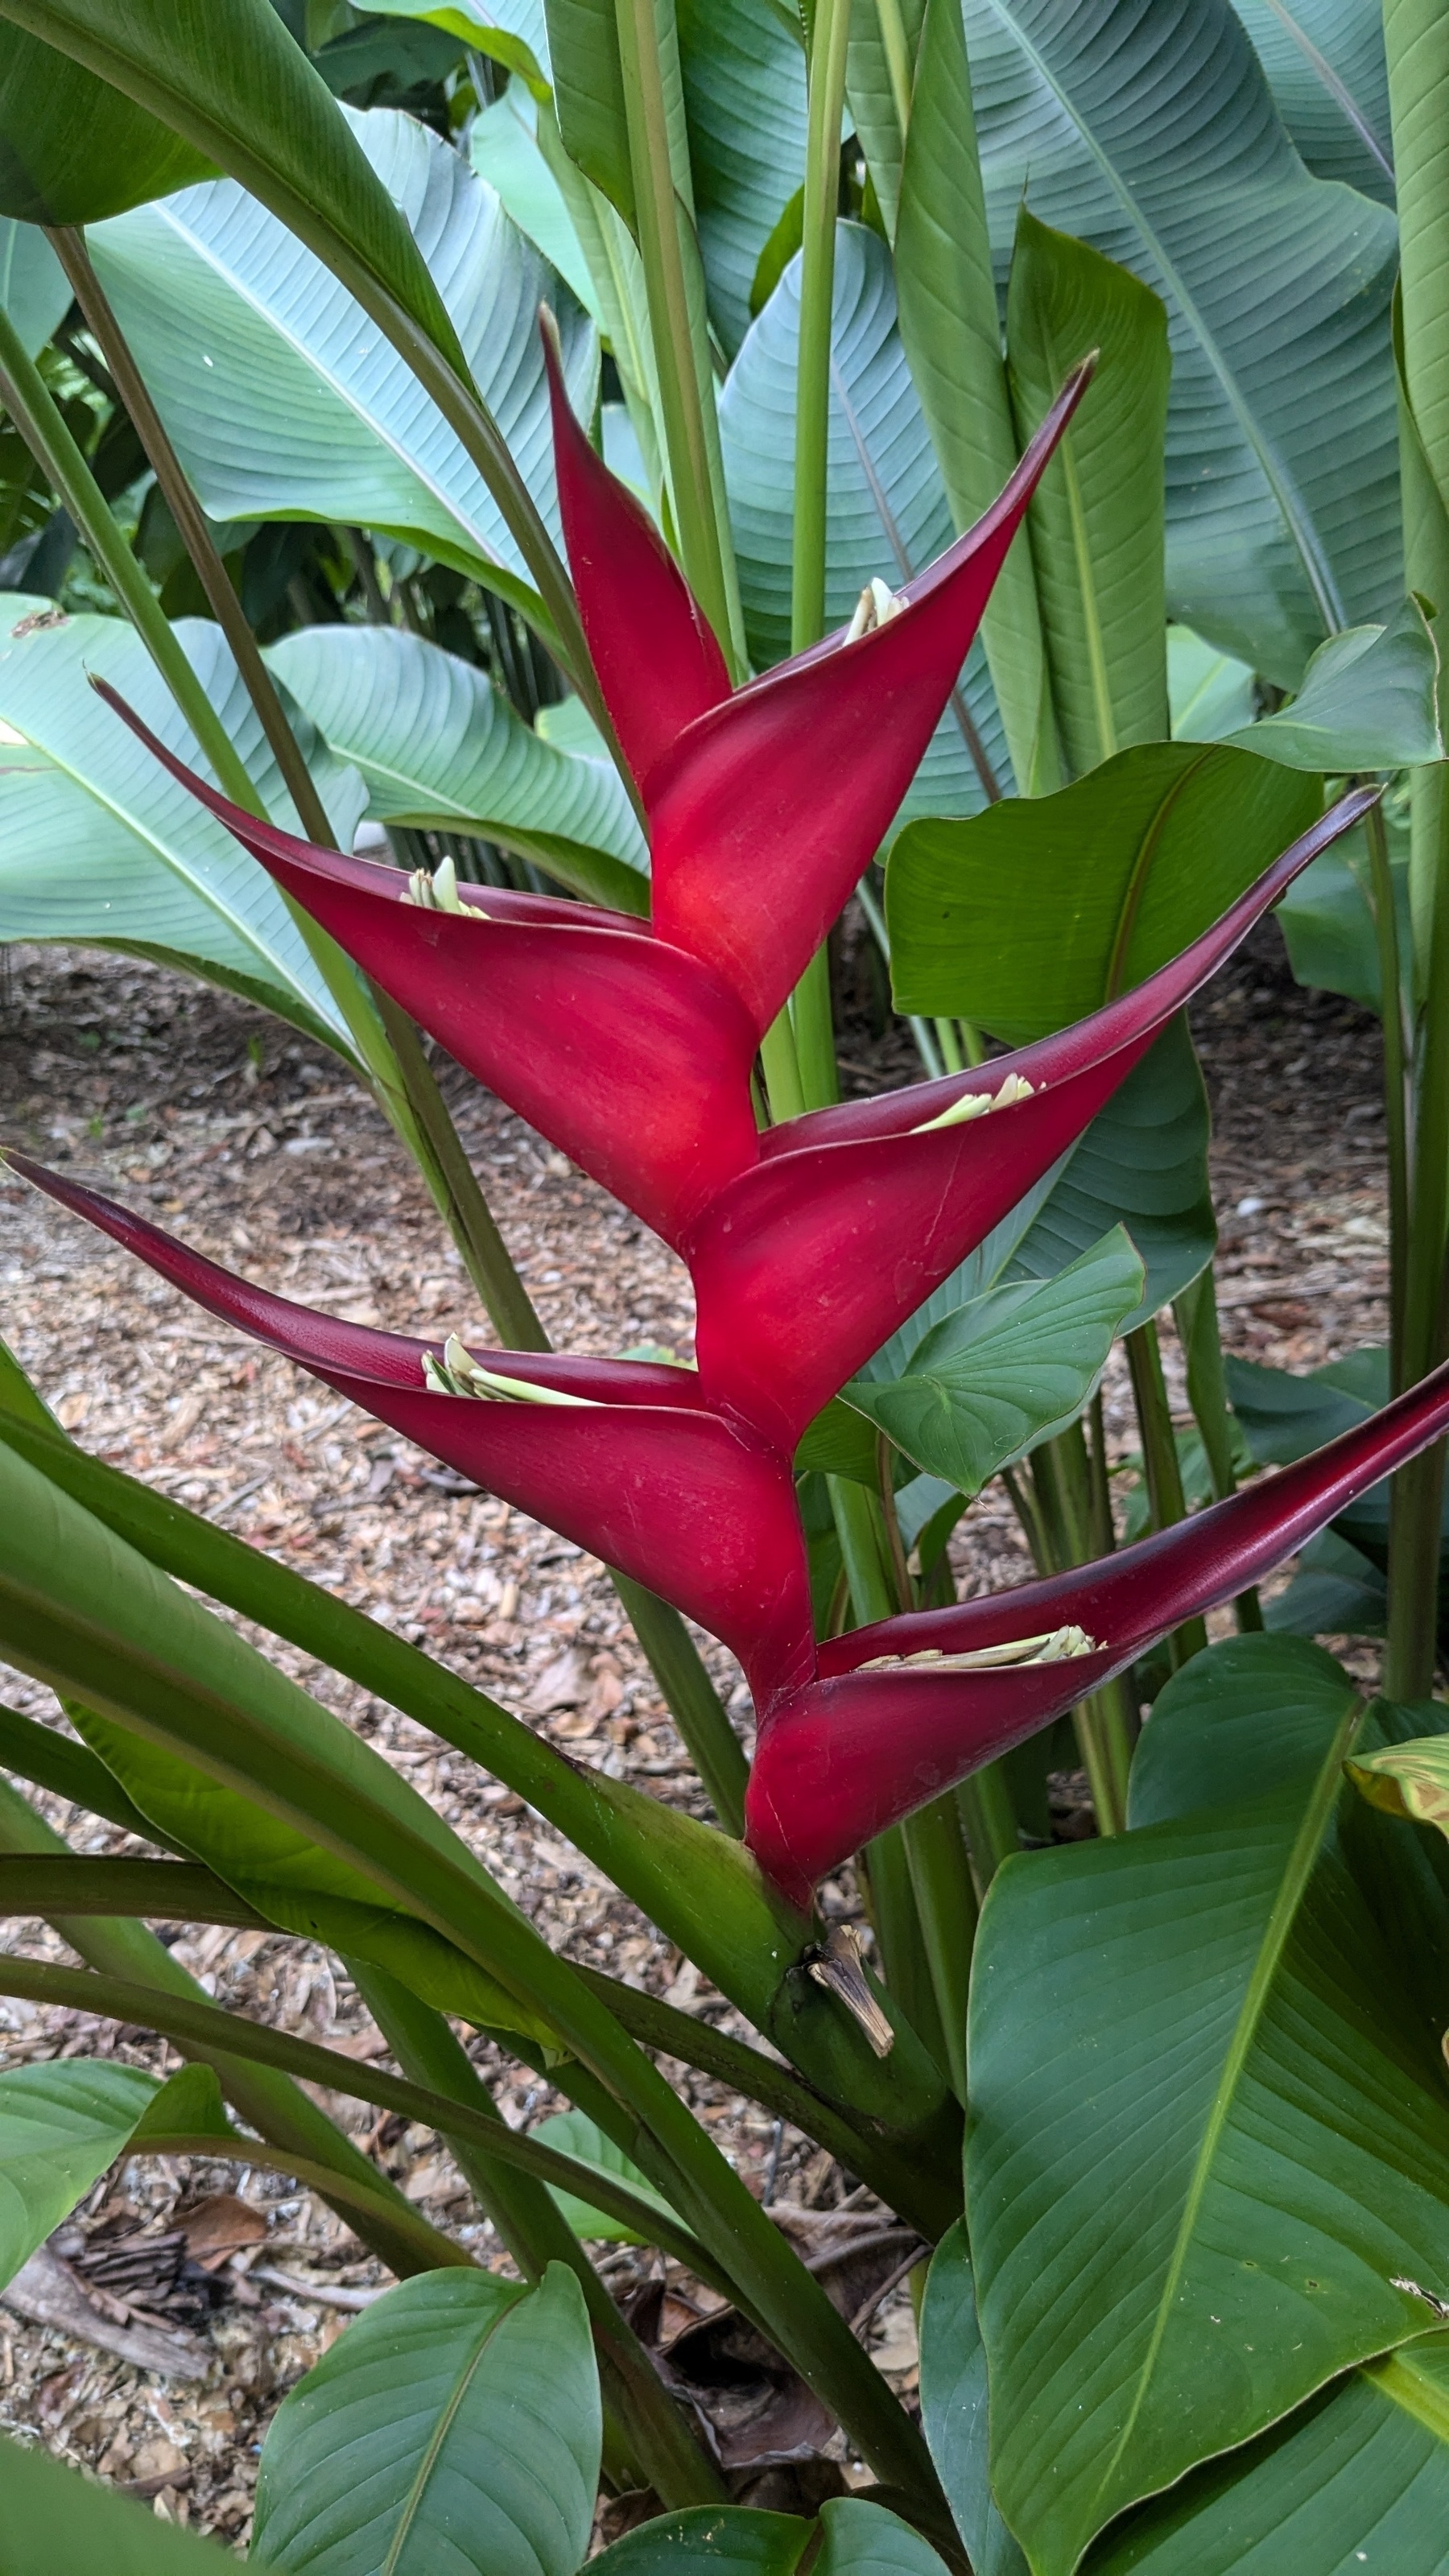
630	1046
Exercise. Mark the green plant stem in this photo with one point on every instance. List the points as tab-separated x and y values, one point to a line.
780	1063
946	1912
1166	1499
988	1814
772	2281
1416	1497
277	2108
682	368
1104	1722
891	1897
1391	1016
647	2425
693	1702
1196	1316
897	52
814	1030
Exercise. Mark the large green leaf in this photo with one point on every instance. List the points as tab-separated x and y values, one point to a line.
34	288
282	400
1367	702
887	512
1327	920
58	2523
588	88
1097	518
872	87
438	747
513	32
1209	2145
1151	134
744	95
71	150
575	2134
1034	913
1246	1718
1325	60
99	845
1211	693
1010	1369
456	2424
851	2538
504	150
1358	2478
60	2127
955	2410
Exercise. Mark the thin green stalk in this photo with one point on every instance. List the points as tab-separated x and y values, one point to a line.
1103	1722
1391	1015
273	2105
989	1816
895	47
780	1063
694	1703
683	369
534	2229
948	1039
946	1912
814	1030
891	1897
864	1548
1161	1466
1196	1315
1104	1534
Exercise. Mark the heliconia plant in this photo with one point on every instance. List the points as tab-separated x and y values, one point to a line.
1165	2104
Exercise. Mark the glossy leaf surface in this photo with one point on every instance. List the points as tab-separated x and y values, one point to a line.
60	2127
575	2134
743	69
60	2524
34	288
1151	135
1283	2126
1030	915
992	1380
1325	62
71	150
1367	702
455	2424
955	2407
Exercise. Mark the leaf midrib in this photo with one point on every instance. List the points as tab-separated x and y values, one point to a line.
1275	468
413	2503
1297	1869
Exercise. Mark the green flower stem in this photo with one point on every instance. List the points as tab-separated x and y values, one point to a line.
946	1911
989	1817
814	1029
270	2101
736	2232
901	1949
1416	1496
1196	1316
896	48
1105	1722
780	1060
683	367
1166	1499
647	2426
1391	1015
694	1703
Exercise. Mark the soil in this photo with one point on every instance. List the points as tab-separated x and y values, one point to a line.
256	1146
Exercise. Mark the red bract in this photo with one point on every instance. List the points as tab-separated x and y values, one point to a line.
858	1749
641	1472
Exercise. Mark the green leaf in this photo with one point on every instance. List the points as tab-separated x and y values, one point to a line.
744	95
1009	1370
887	513
1208	2140
871	92
512	33
1325	60
280	399
58	2523
438	748
1327	920
575	2134
588	89
1247	1717
237	88
1097	518
863	2539
503	148
34	288
1152	136
1031	915
951	330
98	844
1336	1592
954	2406
71	151
708	2542
1367	702
60	2127
1408	1780
1211	693
1360	2477
457	2421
